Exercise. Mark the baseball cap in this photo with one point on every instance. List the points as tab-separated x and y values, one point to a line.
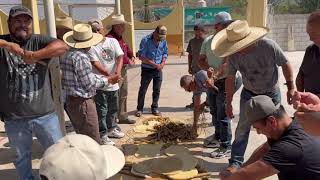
19	10
162	31
199	27
222	18
96	24
259	107
78	157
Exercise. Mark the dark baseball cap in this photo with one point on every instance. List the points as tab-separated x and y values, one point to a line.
19	10
199	27
260	107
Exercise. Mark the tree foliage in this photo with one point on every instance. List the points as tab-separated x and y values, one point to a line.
309	5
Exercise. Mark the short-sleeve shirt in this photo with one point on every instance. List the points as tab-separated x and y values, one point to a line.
296	155
214	61
310	68
152	51
194	48
107	52
200	78
25	90
259	68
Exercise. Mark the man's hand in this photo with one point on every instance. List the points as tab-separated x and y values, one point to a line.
209	83
229	111
290	95
189	70
306	102
224	174
113	79
210	72
132	61
28	57
14	48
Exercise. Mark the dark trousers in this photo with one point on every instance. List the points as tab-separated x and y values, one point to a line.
83	116
146	76
107	109
123	94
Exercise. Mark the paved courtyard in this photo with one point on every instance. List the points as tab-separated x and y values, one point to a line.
172	103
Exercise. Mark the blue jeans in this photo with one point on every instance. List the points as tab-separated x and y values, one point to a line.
107	109
240	142
220	120
146	76
46	128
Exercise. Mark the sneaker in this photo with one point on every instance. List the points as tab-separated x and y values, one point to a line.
106	141
212	143
221	153
115	133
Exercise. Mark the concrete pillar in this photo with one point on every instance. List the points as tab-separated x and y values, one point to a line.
33	6
127	11
257	11
54	66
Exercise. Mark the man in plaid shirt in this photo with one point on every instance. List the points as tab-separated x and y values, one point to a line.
80	83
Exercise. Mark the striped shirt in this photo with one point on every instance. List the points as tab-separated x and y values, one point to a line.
77	76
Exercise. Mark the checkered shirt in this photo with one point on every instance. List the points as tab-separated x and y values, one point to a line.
77	76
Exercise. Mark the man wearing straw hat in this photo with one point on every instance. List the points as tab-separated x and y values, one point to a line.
80	83
117	29
257	58
27	107
214	65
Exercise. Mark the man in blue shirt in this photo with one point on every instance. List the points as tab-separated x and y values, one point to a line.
153	53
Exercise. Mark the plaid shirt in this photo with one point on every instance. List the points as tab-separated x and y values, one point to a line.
77	76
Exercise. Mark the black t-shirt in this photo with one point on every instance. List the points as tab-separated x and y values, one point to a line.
310	68
296	155
25	90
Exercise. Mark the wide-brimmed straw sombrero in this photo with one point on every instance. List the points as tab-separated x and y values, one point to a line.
82	37
237	36
64	22
117	19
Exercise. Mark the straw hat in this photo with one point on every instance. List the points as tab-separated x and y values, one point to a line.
117	19
82	37
236	37
64	22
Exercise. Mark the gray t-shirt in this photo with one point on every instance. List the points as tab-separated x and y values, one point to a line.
193	48
25	90
259	68
310	68
200	78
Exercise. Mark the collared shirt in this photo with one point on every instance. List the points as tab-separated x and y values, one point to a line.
128	54
152	51
77	76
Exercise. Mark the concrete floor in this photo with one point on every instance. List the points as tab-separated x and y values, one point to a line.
172	102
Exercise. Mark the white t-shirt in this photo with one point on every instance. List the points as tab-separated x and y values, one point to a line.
106	52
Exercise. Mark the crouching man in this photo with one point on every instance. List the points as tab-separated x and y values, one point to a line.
197	84
289	152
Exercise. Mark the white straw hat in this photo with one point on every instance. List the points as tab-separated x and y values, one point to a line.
236	37
82	37
117	19
64	22
78	157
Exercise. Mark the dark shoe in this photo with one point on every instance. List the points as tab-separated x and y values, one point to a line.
189	106
138	113
127	121
156	113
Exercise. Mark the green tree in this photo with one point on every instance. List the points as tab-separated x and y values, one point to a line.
309	5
